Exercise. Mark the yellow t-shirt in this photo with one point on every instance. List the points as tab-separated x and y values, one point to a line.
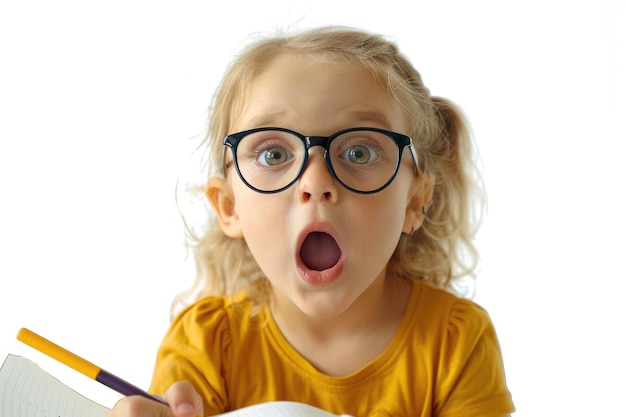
444	361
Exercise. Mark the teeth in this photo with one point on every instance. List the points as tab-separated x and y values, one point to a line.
319	251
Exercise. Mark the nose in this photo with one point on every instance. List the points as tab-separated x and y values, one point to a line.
316	182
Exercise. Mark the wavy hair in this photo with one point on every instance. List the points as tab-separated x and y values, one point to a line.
441	251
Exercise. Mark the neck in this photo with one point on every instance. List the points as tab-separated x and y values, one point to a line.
344	343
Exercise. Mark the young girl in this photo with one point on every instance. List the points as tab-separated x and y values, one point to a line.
344	196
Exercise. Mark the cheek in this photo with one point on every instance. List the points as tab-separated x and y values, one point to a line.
378	220
257	213
263	222
387	214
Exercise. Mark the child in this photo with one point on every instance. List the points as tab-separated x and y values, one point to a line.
343	194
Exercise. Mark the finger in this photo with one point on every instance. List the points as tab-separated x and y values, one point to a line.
184	401
137	406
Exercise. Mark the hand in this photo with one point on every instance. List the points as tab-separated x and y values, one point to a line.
182	398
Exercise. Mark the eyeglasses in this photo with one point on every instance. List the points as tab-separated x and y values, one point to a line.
364	160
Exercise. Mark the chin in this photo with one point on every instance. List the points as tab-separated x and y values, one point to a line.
322	304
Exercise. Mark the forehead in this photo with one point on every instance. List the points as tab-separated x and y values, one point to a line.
303	92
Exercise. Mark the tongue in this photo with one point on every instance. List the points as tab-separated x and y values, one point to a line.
319	251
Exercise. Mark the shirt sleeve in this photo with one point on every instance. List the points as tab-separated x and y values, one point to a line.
195	349
471	371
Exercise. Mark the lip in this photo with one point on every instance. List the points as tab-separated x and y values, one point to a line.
327	275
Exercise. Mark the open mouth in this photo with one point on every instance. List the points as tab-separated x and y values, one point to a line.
319	251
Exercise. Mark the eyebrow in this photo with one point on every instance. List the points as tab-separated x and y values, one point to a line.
265	119
367	116
370	116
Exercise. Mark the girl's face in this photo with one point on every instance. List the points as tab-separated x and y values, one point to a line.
322	247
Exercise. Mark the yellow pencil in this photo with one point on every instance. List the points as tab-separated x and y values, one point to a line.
81	365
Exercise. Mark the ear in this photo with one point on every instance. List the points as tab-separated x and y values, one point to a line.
420	196
220	195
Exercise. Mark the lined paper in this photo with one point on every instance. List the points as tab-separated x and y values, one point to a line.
26	390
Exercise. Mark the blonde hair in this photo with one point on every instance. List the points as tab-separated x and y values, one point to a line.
442	250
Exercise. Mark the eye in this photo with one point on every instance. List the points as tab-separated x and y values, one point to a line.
359	154
273	156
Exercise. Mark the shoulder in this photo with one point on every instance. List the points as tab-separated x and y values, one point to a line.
197	348
211	319
450	326
466	358
437	307
200	337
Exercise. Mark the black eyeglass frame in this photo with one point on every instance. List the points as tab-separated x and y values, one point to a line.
232	141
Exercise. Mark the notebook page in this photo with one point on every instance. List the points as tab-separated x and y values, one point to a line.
279	409
26	390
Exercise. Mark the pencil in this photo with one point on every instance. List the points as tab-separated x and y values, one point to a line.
81	365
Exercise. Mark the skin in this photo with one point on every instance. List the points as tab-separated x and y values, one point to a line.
342	318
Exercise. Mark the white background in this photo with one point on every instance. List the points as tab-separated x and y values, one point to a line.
102	102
